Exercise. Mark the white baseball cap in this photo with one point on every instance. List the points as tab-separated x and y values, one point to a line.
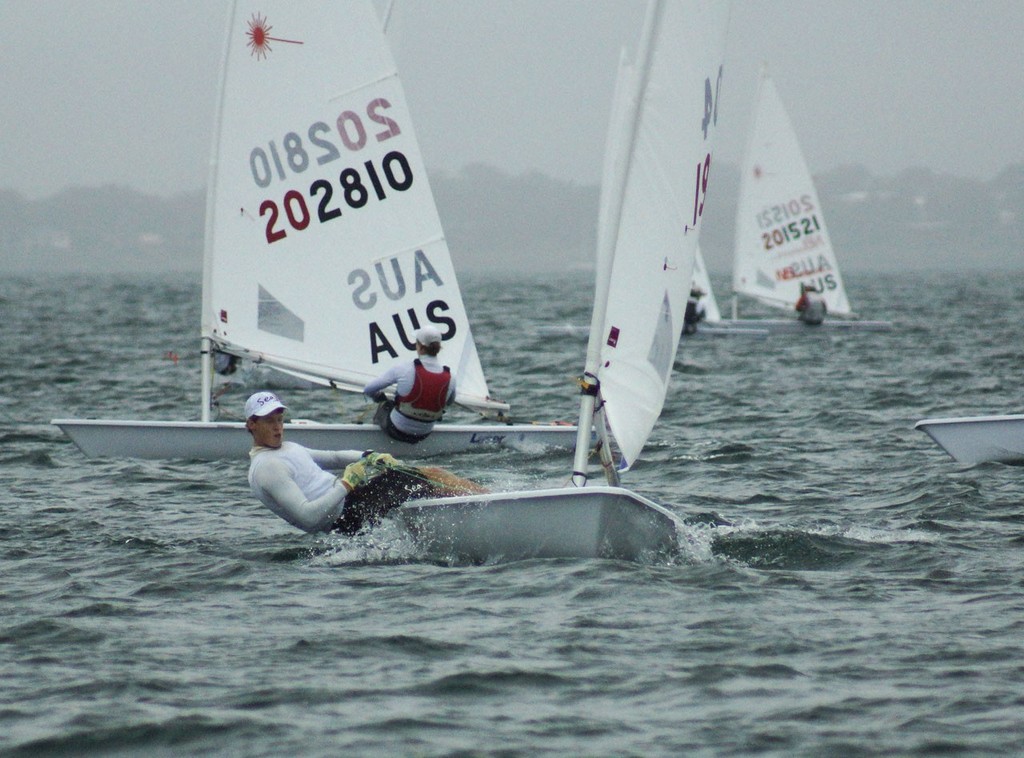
428	335
262	404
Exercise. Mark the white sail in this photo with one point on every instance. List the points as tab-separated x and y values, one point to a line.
648	240
702	281
781	238
324	250
620	122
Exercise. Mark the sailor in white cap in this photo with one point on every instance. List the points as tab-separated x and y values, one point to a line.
423	389
292	481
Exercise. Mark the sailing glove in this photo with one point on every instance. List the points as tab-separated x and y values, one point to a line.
355	475
382	460
379	397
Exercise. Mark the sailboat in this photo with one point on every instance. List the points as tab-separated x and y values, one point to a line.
978	439
702	282
781	239
323	248
713	323
653	190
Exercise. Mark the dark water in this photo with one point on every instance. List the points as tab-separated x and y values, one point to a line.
867	600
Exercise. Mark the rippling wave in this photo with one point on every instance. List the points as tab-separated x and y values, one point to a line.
844	587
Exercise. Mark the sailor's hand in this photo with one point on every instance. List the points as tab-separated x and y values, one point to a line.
383	460
379	397
355	475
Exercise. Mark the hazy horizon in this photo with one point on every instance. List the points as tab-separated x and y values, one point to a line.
123	91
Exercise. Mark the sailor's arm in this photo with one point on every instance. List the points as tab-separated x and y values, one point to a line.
290	503
335	459
383	381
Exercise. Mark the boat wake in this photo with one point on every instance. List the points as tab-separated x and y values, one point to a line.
810	549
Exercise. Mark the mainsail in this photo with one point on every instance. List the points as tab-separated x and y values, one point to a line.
324	250
653	197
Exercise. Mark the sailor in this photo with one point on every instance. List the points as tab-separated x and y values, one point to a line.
695	312
423	389
225	364
811	305
291	480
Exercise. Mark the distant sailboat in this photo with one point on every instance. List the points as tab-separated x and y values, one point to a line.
712	323
702	281
324	251
781	240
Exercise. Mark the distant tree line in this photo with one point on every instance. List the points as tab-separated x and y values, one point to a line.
917	220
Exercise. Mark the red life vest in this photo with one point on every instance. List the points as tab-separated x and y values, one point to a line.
428	397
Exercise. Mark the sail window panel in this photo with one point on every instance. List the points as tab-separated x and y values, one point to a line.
274	317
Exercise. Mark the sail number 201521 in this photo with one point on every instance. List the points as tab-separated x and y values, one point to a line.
791	232
355	185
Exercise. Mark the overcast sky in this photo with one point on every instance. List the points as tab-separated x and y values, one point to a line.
95	92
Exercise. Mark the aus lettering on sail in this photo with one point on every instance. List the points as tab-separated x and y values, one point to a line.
818	273
398	295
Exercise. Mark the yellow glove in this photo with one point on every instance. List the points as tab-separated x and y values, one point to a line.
355	474
382	460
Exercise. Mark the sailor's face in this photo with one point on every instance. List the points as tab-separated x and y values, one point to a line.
267	431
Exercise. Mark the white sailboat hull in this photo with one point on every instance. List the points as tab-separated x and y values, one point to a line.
977	439
795	325
589	522
224	440
716	329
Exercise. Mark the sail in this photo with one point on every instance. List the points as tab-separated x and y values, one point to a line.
702	281
324	250
781	239
615	161
651	216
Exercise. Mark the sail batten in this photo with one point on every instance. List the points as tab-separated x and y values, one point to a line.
393	74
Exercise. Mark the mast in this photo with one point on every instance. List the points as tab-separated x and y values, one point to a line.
748	151
206	343
206	366
608	236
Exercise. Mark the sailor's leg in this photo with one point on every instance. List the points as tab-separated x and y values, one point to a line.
447	479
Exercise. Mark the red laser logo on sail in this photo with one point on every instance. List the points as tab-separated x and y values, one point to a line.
260	39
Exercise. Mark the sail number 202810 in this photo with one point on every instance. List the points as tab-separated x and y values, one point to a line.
354	187
293	156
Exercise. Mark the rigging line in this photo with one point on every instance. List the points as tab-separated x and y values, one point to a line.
336	392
